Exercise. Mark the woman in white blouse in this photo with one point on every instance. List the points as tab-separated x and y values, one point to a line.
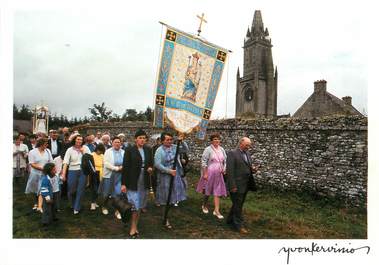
76	180
110	185
38	157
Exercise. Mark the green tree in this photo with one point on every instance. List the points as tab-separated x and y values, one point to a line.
115	117
100	112
129	115
15	112
25	113
149	114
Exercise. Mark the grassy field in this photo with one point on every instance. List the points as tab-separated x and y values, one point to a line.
269	215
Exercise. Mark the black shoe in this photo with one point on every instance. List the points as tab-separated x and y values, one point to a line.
134	236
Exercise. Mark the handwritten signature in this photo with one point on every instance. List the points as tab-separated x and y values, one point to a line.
315	248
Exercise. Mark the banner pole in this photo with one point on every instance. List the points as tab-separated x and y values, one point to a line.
167	208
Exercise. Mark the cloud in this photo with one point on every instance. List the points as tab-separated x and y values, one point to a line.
72	59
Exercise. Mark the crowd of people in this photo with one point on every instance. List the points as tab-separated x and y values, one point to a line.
63	164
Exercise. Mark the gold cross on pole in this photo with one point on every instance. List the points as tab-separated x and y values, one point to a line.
202	19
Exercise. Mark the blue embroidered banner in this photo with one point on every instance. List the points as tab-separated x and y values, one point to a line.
189	76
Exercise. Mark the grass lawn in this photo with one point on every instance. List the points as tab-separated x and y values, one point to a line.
268	215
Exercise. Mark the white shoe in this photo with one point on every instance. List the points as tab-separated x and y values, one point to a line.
93	207
104	211
204	209
118	215
96	205
76	212
35	207
39	210
218	215
176	205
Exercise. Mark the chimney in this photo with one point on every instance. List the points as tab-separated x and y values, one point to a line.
319	86
347	100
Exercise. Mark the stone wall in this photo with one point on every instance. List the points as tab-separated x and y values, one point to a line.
326	156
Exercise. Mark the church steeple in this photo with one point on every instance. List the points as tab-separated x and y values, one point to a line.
257	84
257	29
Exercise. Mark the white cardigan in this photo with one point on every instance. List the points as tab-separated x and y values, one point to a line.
109	162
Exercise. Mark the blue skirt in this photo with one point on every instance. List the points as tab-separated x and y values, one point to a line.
139	197
178	191
110	187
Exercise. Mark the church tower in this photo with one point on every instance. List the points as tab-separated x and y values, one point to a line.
257	89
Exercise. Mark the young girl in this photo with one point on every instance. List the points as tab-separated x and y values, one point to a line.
98	157
50	192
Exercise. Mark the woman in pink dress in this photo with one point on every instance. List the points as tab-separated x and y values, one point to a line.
213	164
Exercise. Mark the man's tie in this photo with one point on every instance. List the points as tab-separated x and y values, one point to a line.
245	157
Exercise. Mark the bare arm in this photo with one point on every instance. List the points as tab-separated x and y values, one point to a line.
64	171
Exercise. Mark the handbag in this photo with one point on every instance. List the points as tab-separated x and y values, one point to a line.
122	204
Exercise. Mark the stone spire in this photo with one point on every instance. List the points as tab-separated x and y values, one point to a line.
257	83
257	28
248	32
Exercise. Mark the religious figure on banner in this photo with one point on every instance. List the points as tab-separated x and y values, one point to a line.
192	78
189	77
41	117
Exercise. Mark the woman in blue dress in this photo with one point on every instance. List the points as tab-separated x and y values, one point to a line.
163	162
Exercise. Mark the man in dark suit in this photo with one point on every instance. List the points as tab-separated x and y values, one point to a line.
239	171
32	142
54	144
136	171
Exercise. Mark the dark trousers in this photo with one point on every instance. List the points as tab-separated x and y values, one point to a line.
235	218
49	209
64	188
154	182
94	184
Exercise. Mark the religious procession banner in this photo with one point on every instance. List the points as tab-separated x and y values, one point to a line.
189	76
40	119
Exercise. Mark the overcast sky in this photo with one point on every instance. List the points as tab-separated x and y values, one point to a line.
73	58
80	55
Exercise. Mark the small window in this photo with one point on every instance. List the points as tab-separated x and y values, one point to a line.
248	93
